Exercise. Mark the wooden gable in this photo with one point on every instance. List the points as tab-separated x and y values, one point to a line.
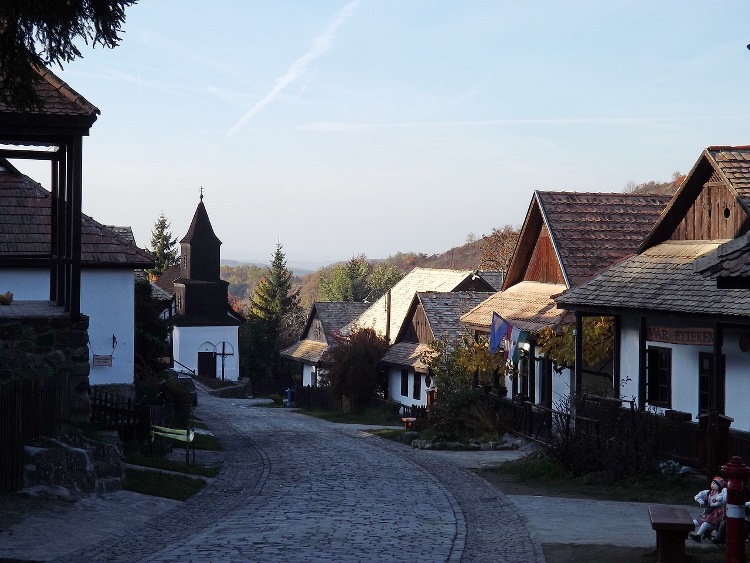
544	266
315	329
418	329
707	206
534	258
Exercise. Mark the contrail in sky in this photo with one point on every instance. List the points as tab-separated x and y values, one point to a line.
319	47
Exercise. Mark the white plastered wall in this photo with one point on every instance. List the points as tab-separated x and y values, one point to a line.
107	298
394	387
186	341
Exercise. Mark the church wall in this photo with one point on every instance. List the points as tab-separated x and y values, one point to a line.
107	298
187	340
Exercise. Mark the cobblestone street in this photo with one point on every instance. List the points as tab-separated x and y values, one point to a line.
295	488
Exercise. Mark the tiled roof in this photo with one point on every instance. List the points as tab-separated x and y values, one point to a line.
305	350
494	278
167	278
407	354
527	305
57	97
729	260
419	279
444	309
334	315
594	230
734	165
25	228
661	279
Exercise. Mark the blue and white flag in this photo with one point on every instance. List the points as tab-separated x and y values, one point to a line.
498	331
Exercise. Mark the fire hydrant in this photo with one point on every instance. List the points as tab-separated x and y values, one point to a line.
736	474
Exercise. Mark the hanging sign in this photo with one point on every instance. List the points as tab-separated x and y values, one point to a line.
104	361
690	336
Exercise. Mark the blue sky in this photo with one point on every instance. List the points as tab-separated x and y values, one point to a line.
379	126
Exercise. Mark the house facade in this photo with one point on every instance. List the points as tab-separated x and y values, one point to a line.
432	316
108	262
324	321
205	329
566	238
682	314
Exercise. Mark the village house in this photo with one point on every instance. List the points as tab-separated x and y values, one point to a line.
108	263
680	304
324	321
432	316
566	238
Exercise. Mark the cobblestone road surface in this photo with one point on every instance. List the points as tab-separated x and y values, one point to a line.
295	488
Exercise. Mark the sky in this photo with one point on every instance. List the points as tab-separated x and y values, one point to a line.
340	128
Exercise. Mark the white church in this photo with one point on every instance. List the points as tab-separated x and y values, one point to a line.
205	333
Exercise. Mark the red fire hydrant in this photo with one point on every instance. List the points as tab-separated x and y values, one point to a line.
736	473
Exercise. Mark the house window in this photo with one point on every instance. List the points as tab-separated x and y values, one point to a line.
404	382
659	376
417	386
705	372
314	377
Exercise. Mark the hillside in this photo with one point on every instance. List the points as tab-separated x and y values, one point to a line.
243	278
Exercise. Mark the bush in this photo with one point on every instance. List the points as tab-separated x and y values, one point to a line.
465	414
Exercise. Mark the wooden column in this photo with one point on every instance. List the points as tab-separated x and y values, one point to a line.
642	363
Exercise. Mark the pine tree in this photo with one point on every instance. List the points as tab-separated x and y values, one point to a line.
273	297
163	246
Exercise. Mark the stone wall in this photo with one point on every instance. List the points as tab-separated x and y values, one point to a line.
38	340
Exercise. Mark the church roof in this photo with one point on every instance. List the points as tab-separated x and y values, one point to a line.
25	226
200	231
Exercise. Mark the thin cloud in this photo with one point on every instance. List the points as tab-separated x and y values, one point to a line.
319	47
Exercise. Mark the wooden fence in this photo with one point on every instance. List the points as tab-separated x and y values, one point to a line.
29	409
132	421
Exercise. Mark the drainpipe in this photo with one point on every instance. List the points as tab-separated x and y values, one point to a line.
388	317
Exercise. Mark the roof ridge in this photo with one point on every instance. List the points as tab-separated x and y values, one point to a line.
65	89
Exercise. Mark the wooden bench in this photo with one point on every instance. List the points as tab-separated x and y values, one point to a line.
408	422
672	525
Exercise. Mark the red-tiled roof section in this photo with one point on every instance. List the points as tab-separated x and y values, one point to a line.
592	231
25	228
57	98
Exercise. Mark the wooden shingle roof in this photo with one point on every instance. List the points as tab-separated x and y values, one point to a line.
25	229
528	305
407	354
335	315
309	351
729	260
662	279
734	165
589	231
419	279
443	310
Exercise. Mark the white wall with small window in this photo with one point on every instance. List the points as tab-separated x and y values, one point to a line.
408	387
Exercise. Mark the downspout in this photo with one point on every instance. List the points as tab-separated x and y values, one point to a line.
388	317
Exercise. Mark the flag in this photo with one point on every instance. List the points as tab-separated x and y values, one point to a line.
510	347
498	331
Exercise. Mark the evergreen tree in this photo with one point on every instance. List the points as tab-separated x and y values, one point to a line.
46	32
273	297
163	245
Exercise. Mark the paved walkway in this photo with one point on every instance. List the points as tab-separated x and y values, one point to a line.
295	488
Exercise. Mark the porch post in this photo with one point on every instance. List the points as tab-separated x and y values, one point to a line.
616	327
642	364
578	366
716	402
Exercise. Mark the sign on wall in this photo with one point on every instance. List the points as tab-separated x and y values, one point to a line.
103	361
690	336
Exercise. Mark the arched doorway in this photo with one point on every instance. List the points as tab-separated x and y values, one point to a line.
207	360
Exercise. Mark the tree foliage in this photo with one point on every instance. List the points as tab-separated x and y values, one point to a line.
274	295
657	188
358	280
497	248
352	367
163	246
151	332
597	340
45	32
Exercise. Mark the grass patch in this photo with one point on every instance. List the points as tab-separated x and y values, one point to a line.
538	473
137	458
163	485
367	416
392	434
